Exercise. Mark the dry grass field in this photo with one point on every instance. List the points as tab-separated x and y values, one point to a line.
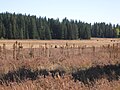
60	64
92	42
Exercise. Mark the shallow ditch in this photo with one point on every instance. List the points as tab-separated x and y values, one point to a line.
88	76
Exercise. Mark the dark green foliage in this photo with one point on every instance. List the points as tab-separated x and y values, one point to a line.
102	30
18	26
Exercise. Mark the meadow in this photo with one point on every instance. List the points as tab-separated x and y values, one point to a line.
60	64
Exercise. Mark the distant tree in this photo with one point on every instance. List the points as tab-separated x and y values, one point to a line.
27	21
13	22
18	26
87	32
47	32
63	31
33	28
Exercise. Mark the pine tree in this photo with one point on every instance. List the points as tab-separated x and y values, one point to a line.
47	33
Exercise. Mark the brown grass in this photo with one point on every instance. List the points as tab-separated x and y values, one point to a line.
92	42
71	55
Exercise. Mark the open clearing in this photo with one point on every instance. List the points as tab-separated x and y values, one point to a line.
60	64
93	42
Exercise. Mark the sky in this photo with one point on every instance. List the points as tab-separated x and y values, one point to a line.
85	10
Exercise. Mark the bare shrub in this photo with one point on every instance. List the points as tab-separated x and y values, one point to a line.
31	52
4	50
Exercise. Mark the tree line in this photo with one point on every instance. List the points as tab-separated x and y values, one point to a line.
18	26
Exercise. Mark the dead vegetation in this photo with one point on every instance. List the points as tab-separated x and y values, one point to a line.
67	66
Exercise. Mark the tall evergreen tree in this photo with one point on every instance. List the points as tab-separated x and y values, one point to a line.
18	26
